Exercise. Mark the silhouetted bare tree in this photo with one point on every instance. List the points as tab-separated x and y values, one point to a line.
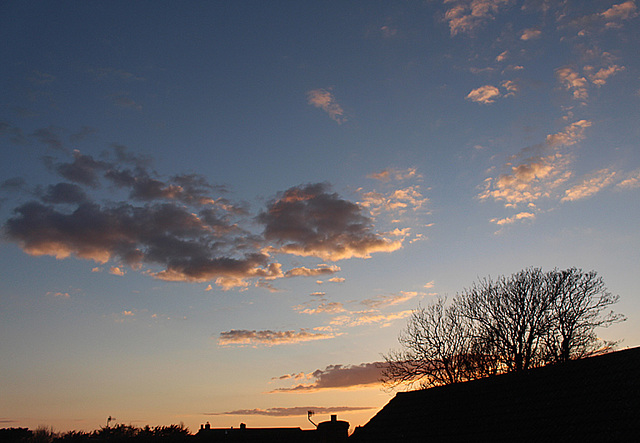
512	316
581	302
437	349
509	324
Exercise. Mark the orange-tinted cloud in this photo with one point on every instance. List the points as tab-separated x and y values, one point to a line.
467	16
484	94
324	99
590	185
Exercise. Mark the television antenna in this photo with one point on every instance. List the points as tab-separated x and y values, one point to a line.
309	414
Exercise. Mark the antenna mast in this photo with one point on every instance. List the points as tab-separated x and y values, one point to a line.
309	414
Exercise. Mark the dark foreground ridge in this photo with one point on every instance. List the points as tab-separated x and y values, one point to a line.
593	399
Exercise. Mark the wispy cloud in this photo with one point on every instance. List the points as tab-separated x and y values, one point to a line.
382	301
631	181
268	337
537	176
590	185
361	318
322	308
521	216
324	99
390	174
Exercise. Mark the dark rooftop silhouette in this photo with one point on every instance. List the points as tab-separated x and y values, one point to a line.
593	399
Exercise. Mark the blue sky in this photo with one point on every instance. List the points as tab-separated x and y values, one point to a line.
225	211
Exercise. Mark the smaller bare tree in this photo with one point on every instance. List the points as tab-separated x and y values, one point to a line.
581	302
437	348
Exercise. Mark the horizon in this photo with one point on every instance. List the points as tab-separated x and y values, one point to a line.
227	211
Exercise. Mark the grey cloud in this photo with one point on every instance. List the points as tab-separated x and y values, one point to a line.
268	337
83	170
50	137
64	193
183	229
341	377
13	132
309	220
292	411
13	184
82	134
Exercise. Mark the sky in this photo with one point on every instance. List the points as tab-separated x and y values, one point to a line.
226	211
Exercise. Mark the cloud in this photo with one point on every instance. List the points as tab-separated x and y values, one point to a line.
530	34
183	228
429	285
395	174
570	135
484	94
390	300
59	294
400	200
354	319
13	184
123	100
573	81
360	376
311	221
116	271
502	56
511	87
467	16
600	77
324	99
518	217
537	176
64	193
41	78
306	272
192	235
49	136
622	11
528	181
268	337
631	181
590	185
322	308
85	132
15	134
293	411
337	280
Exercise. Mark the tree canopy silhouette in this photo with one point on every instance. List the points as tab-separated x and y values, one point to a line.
510	324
